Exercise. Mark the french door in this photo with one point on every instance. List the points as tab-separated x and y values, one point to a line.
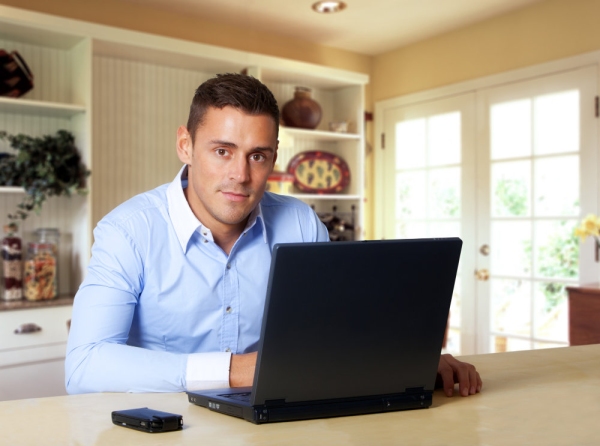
510	170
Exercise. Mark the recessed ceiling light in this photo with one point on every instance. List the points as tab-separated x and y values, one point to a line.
327	7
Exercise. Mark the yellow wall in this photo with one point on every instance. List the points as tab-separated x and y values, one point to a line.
137	17
546	31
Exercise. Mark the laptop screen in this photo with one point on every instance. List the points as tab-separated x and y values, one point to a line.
354	319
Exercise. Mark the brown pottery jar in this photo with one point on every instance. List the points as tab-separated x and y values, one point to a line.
302	111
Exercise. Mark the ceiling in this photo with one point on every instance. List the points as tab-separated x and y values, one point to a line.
368	27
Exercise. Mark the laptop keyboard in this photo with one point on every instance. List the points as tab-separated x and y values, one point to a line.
242	396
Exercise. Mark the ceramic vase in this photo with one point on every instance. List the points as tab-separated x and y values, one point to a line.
302	111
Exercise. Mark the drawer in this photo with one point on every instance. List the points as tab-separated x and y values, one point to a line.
51	320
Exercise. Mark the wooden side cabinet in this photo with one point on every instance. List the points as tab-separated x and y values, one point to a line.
584	314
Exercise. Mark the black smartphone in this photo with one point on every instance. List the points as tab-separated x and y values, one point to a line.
147	420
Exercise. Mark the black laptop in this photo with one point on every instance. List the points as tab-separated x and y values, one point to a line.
349	328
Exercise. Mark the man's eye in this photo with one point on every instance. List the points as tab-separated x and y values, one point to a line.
221	152
258	157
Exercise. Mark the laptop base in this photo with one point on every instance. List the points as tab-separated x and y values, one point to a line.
281	411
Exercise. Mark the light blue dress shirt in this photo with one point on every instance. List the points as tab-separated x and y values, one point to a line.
159	290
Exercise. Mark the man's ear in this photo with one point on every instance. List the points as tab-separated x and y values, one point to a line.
275	156
184	145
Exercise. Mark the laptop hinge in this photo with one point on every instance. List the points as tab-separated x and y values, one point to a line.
275	403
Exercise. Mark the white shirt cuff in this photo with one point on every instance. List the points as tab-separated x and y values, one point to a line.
207	371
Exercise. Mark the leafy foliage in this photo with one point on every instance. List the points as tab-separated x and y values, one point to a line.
44	166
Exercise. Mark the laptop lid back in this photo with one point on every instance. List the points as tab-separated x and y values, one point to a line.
354	319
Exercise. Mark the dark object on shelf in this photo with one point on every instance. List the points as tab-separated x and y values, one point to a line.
340	225
319	172
44	166
15	77
302	111
12	263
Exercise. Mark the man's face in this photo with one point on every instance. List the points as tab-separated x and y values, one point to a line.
229	162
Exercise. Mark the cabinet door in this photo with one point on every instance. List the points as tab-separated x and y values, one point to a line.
34	380
32	364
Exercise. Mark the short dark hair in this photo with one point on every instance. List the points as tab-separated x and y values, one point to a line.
240	91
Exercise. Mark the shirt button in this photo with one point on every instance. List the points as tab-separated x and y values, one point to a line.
228	309
227	350
205	241
205	234
229	266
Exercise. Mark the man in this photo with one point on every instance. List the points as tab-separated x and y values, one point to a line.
175	289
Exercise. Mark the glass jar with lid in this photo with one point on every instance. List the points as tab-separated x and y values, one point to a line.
49	235
39	272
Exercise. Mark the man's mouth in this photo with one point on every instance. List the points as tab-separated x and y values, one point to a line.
235	196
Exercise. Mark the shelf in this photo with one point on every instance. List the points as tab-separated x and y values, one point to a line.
39	108
11	190
320	135
325	197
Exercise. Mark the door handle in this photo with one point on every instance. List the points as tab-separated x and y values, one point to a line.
482	274
27	328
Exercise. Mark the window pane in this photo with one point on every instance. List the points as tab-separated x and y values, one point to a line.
444	139
557	186
556	123
444	200
410	144
405	229
510	129
551	312
510	251
507	344
410	195
511	306
556	249
443	229
511	189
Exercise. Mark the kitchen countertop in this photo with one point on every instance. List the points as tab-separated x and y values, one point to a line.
24	304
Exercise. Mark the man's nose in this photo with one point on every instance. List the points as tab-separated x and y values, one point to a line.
239	170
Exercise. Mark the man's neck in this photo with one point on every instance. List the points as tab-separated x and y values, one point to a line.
226	237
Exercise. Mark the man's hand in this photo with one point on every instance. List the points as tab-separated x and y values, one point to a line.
451	371
241	372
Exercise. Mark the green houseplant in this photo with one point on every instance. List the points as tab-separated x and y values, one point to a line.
44	166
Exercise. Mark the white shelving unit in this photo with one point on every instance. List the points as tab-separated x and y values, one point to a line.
123	94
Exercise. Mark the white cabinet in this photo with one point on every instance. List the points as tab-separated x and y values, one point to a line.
32	352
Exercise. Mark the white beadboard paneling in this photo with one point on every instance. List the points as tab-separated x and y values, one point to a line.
137	108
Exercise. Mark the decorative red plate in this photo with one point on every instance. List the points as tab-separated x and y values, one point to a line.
319	172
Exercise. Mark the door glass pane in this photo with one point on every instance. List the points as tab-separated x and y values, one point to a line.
444	139
556	123
406	229
410	143
556	249
511	306
510	253
444	229
444	201
501	344
551	312
557	186
511	189
510	129
411	195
